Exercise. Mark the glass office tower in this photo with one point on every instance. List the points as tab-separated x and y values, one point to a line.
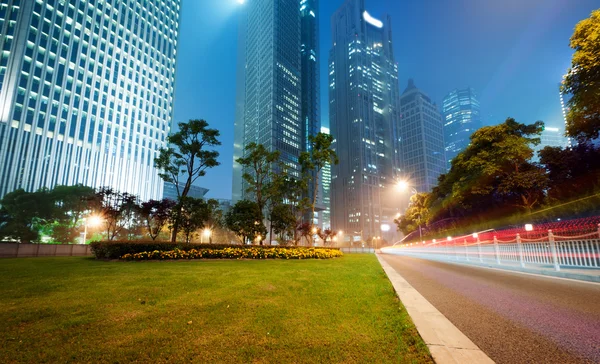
86	92
363	101
277	81
423	156
462	117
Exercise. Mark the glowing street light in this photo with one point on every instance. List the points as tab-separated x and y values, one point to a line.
206	233
91	221
315	230
475	235
528	227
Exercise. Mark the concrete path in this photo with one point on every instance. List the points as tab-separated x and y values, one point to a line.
512	317
445	342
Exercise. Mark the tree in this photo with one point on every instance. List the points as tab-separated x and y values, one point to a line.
417	214
187	158
258	165
319	155
155	215
582	81
327	235
194	213
70	207
116	209
23	213
283	222
289	204
492	175
244	219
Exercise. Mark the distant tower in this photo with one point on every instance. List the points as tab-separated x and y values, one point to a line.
325	197
421	132
86	93
278	81
565	110
462	116
363	113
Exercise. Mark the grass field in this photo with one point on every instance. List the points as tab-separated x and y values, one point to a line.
83	310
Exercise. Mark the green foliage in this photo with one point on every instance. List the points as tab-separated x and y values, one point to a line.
416	215
156	215
237	253
186	158
23	213
258	165
319	155
71	206
245	220
118	211
288	206
583	80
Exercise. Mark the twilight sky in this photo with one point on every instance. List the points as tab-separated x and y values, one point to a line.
513	52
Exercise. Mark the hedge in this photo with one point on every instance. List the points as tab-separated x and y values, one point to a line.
237	253
117	249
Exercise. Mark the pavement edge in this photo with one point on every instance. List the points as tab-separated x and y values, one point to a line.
447	344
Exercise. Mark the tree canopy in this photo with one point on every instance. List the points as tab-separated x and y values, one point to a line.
582	81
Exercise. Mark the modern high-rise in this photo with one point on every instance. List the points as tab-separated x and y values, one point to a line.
551	137
364	119
278	81
462	116
86	92
325	187
422	134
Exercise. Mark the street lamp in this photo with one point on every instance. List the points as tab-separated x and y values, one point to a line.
91	221
206	233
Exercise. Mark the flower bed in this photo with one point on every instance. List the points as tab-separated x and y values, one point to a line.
237	253
118	249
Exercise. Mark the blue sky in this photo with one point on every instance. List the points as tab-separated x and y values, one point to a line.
513	52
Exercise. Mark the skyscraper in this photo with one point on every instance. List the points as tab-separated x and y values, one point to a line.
462	116
363	101
422	135
325	197
278	91
86	92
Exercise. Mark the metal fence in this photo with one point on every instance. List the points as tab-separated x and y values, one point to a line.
357	250
556	251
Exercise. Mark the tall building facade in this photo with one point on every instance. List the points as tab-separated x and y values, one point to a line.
462	116
325	187
422	134
364	118
86	92
277	82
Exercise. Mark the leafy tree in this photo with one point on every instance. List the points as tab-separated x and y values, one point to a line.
71	206
156	215
186	158
305	231
572	172
491	176
327	235
283	222
116	208
194	214
258	165
583	80
23	213
320	155
244	219
289	205
417	214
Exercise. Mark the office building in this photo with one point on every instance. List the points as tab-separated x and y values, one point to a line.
551	137
170	191
86	92
462	117
277	86
364	119
422	147
325	188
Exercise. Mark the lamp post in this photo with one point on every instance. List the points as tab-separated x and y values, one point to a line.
207	232
403	186
91	221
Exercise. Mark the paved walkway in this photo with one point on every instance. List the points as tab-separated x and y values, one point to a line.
512	317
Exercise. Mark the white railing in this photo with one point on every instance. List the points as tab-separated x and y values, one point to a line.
582	251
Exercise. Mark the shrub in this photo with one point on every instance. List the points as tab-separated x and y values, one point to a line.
239	252
117	249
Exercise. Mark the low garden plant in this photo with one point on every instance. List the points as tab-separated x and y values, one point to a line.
237	253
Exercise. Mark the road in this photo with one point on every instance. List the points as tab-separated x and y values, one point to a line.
512	317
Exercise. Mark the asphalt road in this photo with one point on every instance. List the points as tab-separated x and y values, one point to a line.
513	318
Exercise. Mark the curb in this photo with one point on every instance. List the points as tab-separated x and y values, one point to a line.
447	344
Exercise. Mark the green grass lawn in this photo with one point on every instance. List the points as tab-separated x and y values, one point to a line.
278	311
